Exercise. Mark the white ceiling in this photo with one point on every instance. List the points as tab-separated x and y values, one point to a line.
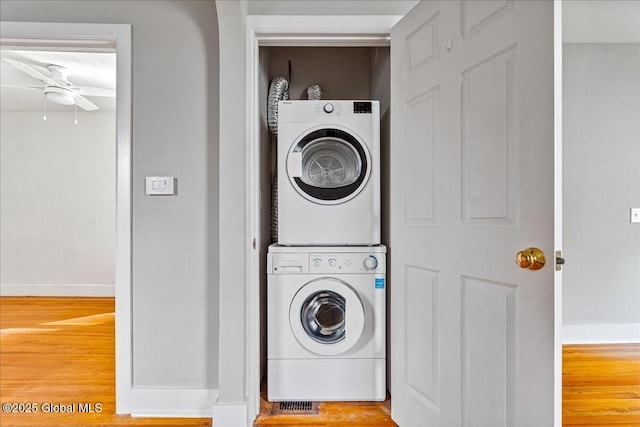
20	92
330	7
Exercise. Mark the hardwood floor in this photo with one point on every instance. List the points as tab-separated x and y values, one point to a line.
601	385
57	354
61	351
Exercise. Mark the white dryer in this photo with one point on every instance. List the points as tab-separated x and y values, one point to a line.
328	173
326	323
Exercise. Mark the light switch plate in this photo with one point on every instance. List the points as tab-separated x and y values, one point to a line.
160	186
635	215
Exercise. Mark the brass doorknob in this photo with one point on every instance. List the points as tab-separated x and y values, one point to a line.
531	259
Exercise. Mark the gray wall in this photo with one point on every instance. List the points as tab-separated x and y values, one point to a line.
175	128
601	119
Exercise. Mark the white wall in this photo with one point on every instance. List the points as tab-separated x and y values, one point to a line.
57	210
175	308
601	119
233	223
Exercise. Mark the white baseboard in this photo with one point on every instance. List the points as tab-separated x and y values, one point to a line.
48	290
601	333
230	415
172	402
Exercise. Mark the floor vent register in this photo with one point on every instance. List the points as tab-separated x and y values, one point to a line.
295	408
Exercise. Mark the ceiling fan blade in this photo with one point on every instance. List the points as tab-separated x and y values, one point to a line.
85	104
97	91
33	73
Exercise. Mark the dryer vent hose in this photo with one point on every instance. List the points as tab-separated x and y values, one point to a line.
314	93
278	91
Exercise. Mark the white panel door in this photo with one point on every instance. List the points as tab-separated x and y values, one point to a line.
471	185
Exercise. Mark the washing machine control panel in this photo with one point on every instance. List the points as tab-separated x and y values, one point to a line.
346	263
370	263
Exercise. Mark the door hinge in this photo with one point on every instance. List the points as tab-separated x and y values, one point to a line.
559	261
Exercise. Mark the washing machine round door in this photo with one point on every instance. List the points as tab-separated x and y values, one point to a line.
327	316
329	166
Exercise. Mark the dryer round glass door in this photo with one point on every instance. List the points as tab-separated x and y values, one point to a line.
327	316
328	166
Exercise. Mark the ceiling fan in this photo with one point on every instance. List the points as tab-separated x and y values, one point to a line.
59	90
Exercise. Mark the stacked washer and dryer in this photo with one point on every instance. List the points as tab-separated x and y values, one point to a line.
326	281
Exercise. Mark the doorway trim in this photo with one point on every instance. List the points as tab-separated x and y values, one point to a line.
265	30
557	210
120	34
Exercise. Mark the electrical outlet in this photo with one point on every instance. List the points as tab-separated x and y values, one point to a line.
635	215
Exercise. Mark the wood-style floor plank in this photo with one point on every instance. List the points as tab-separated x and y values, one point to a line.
601	385
61	350
60	353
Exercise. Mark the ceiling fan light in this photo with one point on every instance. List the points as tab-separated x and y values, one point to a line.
60	96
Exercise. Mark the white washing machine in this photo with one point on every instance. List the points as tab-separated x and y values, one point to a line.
328	173
326	323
